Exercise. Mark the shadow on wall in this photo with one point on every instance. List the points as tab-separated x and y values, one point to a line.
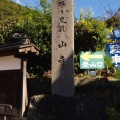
37	86
63	76
103	89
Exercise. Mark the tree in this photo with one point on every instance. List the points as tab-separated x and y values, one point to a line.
9	8
35	23
6	27
90	33
112	20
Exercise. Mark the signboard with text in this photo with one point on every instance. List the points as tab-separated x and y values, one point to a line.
113	51
91	60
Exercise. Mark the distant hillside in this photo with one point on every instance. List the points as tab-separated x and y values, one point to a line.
9	8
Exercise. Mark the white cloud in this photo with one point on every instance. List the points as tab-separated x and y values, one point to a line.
18	2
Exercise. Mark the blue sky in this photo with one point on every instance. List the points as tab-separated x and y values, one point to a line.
96	5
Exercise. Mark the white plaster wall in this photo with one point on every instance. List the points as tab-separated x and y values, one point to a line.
10	63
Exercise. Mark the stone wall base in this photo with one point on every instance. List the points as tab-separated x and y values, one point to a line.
77	107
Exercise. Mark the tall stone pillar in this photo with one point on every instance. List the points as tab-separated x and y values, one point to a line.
62	48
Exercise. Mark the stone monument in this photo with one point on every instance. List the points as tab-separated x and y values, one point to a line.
62	48
63	104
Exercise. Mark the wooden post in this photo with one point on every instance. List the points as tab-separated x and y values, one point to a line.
62	48
24	88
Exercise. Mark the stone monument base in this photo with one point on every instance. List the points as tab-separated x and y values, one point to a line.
77	107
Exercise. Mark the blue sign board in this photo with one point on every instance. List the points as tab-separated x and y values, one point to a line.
116	38
113	51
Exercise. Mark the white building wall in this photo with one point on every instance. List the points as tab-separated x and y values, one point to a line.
10	63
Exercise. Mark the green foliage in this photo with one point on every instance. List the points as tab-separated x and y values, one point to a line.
113	20
113	114
6	27
117	74
111	67
90	34
9	8
38	26
108	62
76	65
46	6
86	14
35	23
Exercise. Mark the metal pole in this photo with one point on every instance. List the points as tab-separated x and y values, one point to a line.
6	105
